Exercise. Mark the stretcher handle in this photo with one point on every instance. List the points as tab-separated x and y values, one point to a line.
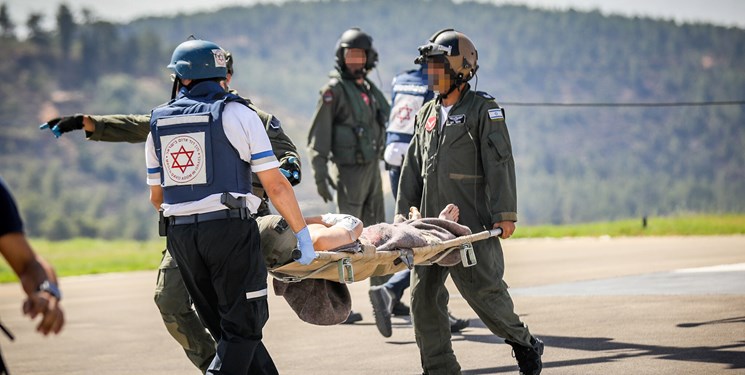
461	240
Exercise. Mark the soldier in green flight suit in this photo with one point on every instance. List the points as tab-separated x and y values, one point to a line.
461	153
349	130
171	296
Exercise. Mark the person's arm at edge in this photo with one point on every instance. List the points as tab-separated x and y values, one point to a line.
32	271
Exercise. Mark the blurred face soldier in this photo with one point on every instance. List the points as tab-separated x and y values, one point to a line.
348	130
461	153
437	80
449	65
355	60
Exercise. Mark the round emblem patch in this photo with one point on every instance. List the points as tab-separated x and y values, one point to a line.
183	159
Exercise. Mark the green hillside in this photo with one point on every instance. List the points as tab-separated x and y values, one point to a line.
574	164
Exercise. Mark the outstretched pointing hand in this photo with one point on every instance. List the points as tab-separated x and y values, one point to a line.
61	125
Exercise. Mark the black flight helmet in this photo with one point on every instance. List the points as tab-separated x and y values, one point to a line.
356	38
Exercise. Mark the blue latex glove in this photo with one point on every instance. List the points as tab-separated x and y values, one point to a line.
55	129
305	247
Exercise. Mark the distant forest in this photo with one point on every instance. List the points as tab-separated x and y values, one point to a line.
628	158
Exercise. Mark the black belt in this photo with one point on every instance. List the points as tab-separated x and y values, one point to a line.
235	213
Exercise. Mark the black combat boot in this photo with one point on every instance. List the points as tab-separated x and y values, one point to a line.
528	357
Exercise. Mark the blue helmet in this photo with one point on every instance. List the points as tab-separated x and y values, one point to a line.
199	59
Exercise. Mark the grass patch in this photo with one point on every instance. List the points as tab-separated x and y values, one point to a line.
84	256
91	256
693	225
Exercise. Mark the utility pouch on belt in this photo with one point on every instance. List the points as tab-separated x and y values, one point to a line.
162	224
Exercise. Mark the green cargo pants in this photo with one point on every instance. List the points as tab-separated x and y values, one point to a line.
180	318
360	192
484	290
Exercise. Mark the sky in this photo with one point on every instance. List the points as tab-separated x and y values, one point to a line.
719	12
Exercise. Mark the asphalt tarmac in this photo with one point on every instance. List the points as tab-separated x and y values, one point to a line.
673	305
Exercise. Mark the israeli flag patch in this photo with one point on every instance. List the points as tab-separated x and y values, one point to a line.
496	114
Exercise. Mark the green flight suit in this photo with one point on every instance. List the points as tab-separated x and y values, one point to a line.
349	129
171	297
467	162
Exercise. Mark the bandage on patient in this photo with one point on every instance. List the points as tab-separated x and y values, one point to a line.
347	222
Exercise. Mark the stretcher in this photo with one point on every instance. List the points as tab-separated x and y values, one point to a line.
362	260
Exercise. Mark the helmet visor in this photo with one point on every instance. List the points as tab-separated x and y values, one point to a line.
432	49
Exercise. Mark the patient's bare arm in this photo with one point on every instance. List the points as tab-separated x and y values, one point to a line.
333	230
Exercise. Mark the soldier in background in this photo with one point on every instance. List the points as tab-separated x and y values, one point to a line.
348	130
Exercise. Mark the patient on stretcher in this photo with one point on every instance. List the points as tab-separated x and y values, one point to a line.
325	300
335	231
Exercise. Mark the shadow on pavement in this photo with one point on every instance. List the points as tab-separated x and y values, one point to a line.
739	319
733	359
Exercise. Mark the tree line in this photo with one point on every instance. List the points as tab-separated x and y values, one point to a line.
574	164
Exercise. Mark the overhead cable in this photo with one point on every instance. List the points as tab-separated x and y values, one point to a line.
652	104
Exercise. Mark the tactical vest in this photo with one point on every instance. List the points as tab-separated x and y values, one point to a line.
195	155
358	142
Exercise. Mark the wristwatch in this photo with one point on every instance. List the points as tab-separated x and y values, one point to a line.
51	288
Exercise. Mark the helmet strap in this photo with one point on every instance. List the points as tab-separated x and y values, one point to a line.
176	86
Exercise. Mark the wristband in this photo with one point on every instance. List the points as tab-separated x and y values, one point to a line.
51	288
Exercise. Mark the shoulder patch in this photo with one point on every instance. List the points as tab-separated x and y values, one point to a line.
484	95
274	123
328	96
496	114
430	124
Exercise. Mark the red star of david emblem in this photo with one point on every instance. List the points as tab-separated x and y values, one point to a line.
178	155
404	113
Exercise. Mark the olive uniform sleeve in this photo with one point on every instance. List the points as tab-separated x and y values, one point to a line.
498	162
282	145
283	148
120	128
321	133
411	183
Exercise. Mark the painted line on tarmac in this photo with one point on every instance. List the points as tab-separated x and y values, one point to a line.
727	279
720	268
